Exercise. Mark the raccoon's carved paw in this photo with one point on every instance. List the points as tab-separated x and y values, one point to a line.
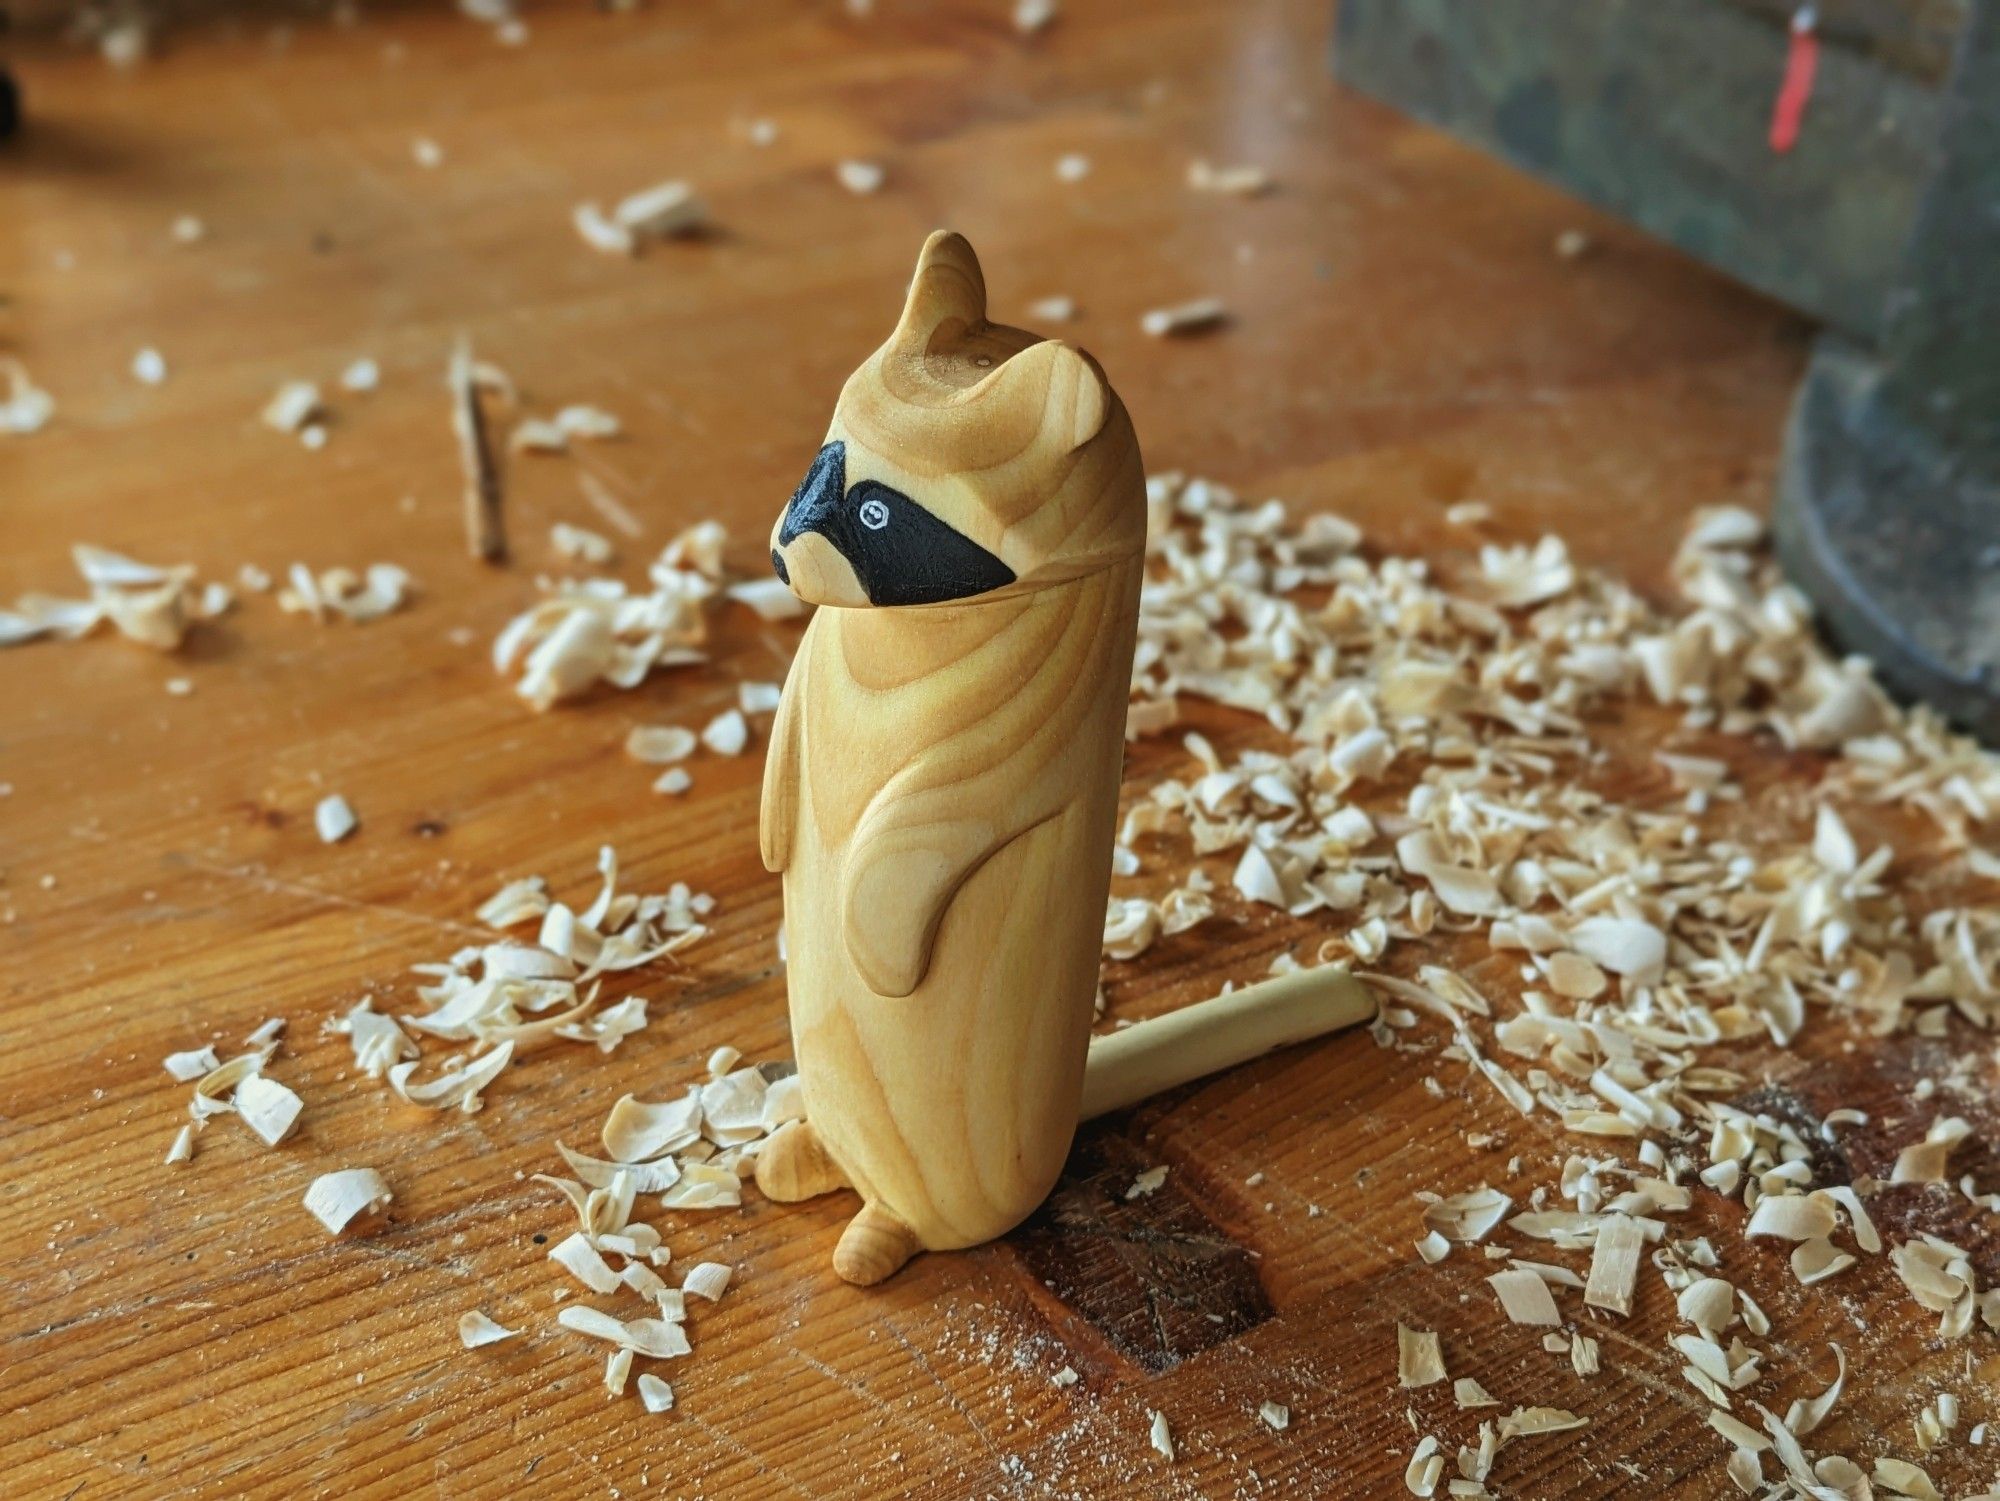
793	1165
874	1246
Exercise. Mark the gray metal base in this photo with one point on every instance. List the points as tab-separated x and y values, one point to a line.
1895	540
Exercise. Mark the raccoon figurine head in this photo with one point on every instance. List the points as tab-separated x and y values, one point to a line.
965	459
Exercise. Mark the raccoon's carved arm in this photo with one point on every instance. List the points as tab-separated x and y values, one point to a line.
782	763
914	847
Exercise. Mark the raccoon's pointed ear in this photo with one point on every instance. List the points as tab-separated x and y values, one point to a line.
947	288
1058	381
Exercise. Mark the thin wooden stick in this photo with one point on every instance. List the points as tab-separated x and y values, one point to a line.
485	528
1210	1036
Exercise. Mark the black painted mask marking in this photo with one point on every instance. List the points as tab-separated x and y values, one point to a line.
901	553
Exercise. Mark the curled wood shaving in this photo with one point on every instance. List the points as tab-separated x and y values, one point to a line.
652	1337
576	1254
476	1329
635	1131
335	1199
1532	1422
706	1279
458	1085
655	1176
1468	1217
1924	1161
1807	1414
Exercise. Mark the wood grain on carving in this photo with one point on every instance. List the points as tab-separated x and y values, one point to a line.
943	781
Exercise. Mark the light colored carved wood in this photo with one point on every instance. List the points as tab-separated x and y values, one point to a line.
1127	1066
942	786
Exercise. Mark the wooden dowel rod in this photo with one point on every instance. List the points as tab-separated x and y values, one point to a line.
1129	1066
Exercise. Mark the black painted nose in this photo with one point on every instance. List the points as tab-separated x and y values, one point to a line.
778	566
819	493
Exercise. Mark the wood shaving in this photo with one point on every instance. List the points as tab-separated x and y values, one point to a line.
1924	1161
1419	1359
726	734
1065	1377
1236	182
152	606
476	1329
594	631
294	406
1147	1183
654	1393
1614	1264
334	819
770	599
1194	317
1161	1436
651	1337
191	1065
267	1107
580	545
456	1086
1469	1393
1275	1415
1532	1422
658	745
1031	16
1468	1217
1524	1297
617	1371
706	1279
635	1131
335	1199
758	698
673	781
1073	166
1057	309
579	1257
26	408
182	1149
1425	1469
860	177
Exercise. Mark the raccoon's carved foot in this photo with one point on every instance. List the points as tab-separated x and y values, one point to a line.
874	1245
793	1165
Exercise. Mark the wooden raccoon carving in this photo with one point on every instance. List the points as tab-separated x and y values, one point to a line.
942	786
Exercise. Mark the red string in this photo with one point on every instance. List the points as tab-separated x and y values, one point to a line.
1801	62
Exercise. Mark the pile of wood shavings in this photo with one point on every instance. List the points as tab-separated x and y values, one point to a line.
505	998
693	1152
143	603
1645	939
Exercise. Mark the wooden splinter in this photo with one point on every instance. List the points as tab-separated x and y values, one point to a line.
941	789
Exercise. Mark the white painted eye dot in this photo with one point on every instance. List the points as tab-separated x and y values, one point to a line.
874	514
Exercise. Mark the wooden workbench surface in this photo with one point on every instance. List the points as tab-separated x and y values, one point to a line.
1404	338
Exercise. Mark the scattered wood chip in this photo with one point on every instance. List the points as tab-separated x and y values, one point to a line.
726	734
1525	1297
476	1329
580	545
706	1279
334	819
861	177
1236	182
1419	1359
1469	1393
1194	317
336	1198
268	1108
1161	1436
1614	1264
1275	1415
655	1393
192	1064
1148	1182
